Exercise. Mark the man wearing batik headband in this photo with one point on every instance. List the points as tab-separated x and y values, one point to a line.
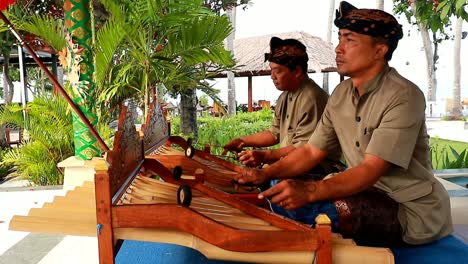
388	196
298	108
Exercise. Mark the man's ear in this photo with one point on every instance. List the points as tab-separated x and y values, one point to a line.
381	51
298	71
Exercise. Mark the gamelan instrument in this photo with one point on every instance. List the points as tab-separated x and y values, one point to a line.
139	194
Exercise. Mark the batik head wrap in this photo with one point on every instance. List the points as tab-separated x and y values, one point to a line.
372	22
287	52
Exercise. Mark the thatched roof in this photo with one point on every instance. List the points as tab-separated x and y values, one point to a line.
249	53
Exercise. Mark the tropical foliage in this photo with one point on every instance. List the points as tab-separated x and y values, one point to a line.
167	45
50	139
218	131
434	14
5	167
447	154
143	49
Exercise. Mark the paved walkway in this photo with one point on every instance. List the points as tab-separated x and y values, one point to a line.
27	248
452	130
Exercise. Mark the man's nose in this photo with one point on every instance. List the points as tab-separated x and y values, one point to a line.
339	48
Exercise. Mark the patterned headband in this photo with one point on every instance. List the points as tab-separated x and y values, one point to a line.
289	52
372	22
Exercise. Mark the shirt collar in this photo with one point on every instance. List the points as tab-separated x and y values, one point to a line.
376	82
303	83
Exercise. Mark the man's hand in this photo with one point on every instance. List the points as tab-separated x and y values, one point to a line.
251	176
290	194
235	145
252	158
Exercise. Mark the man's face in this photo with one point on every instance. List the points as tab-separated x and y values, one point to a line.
283	78
355	54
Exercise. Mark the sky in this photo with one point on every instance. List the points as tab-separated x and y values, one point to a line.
265	17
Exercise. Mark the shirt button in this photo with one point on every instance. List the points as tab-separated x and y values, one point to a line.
358	119
357	144
287	116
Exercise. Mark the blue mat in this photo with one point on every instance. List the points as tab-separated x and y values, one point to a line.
448	250
133	252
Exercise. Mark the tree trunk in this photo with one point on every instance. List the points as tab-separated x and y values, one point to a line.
8	89
188	113
231	12
331	15
379	4
431	75
455	112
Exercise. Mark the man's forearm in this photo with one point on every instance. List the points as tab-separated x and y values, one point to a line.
363	177
260	139
297	162
274	155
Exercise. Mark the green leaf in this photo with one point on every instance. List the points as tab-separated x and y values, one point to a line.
444	12
466	162
442	4
454	152
459	4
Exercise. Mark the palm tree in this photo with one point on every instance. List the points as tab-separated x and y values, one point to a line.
6	44
231	13
433	16
150	44
230	7
145	44
331	15
379	4
430	58
456	106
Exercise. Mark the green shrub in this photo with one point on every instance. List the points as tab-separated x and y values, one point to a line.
5	167
217	131
50	133
460	161
446	154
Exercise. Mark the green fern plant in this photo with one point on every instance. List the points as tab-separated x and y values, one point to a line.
5	167
49	139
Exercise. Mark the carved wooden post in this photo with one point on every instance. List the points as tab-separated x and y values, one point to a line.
80	71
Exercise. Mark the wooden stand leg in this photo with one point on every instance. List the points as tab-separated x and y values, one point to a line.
323	228
104	219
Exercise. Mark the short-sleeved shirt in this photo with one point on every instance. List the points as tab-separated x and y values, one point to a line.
297	113
388	121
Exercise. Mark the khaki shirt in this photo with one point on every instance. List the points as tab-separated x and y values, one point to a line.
388	121
297	113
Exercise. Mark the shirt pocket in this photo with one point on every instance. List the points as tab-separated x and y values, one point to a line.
366	135
412	192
